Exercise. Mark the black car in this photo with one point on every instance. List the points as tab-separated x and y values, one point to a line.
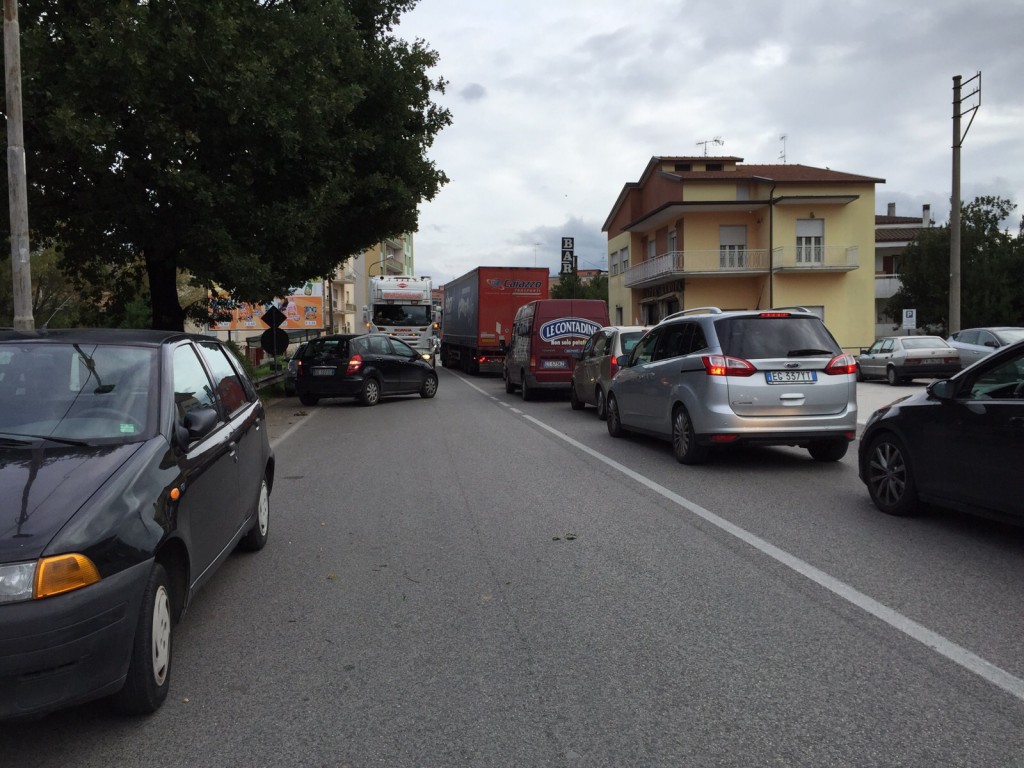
958	444
131	464
364	366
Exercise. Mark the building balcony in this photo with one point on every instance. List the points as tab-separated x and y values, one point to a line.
824	258
751	261
886	286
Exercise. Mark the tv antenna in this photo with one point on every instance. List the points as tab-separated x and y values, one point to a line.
716	140
782	154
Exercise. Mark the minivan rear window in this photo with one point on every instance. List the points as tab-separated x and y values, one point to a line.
754	338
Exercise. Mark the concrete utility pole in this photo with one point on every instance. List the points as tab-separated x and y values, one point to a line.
954	200
16	184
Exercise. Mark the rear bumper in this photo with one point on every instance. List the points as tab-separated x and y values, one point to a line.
71	648
928	371
329	387
550	380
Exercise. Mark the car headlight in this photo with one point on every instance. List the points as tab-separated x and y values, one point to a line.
49	576
16	582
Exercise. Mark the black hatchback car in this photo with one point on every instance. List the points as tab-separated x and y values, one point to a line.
959	443
131	464
364	366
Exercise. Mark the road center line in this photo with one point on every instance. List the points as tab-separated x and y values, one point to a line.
941	645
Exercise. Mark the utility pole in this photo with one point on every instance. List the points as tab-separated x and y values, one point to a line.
17	188
954	200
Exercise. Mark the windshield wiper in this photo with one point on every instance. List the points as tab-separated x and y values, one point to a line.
51	438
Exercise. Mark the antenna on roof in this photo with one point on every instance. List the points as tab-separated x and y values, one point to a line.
782	154
716	140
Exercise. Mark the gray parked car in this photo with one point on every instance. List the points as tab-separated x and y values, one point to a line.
289	373
976	343
598	362
704	378
901	358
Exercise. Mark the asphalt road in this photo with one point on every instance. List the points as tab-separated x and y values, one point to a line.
478	581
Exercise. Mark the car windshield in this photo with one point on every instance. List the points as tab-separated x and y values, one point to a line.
755	337
401	314
77	392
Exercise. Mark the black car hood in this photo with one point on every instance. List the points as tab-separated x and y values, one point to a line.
42	486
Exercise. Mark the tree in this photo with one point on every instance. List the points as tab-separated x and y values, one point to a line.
991	262
252	144
570	286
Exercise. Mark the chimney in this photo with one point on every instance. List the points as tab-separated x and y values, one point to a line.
892	209
926	215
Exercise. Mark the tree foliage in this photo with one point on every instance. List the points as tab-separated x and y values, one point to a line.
571	287
252	144
991	263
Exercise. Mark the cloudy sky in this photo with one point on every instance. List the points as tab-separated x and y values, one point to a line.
556	104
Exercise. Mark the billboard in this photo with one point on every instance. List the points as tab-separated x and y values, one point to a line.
303	309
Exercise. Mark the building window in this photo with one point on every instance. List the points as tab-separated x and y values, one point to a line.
732	246
652	249
679	167
613	264
624	261
672	241
713	167
810	241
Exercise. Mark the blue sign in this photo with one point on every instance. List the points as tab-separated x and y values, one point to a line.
568	328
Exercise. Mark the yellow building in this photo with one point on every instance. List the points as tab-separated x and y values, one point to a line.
710	231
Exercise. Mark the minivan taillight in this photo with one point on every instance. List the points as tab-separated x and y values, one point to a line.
614	365
354	364
723	365
841	364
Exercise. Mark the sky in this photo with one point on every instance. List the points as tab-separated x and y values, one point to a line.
557	104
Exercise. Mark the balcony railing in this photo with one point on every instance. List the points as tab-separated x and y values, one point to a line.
822	258
886	286
683	263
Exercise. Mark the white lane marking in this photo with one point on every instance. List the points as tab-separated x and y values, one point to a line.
287	433
959	655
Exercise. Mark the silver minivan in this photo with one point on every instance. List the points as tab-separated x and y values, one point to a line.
704	378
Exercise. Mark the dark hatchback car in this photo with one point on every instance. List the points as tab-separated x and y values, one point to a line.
958	444
131	465
365	366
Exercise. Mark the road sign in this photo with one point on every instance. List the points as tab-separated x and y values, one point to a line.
910	319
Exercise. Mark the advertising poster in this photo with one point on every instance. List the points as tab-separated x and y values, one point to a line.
303	309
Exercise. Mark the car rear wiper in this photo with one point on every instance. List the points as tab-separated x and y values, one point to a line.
808	352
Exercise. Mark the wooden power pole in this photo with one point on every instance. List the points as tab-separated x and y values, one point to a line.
16	184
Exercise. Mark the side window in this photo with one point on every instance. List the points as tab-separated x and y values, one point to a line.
600	345
1001	383
379	345
402	349
969	337
675	341
698	342
875	348
987	339
588	348
226	381
192	387
887	345
644	351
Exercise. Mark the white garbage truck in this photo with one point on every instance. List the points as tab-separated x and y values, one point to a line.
402	306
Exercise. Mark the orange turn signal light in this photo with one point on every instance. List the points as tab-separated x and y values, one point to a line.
64	573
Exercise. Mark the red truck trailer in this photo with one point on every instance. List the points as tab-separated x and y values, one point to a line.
479	308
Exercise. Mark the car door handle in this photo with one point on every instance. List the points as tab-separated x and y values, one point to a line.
233	450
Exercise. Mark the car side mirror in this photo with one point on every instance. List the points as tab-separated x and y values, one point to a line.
943	389
196	425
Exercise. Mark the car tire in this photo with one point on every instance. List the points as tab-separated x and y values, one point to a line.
891	377
429	388
370	394
684	442
602	403
614	422
828	450
889	476
574	401
149	669
860	376
509	386
256	538
307	399
524	389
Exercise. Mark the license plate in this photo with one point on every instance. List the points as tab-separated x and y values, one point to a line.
790	377
554	364
323	371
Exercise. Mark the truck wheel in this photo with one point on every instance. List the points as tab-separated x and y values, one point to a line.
509	386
